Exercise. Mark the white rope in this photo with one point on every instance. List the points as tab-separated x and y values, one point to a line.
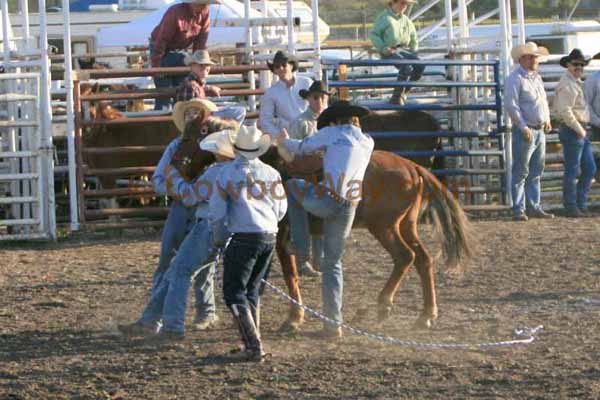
526	334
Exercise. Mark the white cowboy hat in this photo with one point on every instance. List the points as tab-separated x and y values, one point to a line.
202	1
220	143
198	57
182	106
529	48
251	143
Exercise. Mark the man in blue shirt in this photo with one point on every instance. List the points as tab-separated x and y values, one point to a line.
527	106
347	151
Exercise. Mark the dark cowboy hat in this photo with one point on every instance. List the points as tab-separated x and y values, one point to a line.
340	109
282	58
316	87
574	55
596	57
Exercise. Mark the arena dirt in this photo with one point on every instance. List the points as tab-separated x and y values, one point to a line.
61	302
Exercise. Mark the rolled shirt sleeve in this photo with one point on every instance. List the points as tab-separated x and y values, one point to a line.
159	178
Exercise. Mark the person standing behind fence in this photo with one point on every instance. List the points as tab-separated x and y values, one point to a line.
395	37
184	24
592	96
194	86
527	106
281	103
251	202
573	112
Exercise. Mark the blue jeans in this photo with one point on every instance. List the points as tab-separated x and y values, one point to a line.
579	163
337	223
170	59
195	253
233	112
302	240
527	169
406	72
176	227
246	262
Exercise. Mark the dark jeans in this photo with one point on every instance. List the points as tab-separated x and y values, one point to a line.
580	168
406	71
246	261
170	59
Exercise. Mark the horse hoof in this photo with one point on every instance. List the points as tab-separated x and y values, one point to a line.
290	326
384	313
423	323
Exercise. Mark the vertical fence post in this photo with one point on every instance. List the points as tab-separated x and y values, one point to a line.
79	148
342	75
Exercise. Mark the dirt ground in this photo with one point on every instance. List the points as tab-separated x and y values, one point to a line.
61	302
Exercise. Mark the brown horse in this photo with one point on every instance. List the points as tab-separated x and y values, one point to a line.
395	192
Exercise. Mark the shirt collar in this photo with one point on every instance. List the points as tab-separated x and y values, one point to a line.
194	77
524	72
572	78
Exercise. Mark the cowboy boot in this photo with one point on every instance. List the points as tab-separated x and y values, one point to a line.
253	350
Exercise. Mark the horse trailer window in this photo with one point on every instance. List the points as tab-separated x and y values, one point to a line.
554	45
80	48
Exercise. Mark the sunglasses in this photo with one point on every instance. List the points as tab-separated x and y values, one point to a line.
279	65
578	65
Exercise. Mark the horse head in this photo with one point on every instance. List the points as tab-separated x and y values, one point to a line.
189	158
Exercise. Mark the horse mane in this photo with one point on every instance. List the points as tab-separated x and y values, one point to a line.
108	112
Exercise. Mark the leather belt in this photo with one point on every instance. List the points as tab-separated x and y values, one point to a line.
536	127
339	199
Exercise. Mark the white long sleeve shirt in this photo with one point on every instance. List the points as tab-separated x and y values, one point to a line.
347	155
282	104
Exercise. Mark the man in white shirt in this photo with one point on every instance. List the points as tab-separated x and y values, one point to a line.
282	104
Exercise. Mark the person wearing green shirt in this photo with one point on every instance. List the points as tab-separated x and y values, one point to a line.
395	36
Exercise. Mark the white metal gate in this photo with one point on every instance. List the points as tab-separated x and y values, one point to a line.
26	173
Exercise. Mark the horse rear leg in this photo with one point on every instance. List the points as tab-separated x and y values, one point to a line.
290	274
390	238
424	266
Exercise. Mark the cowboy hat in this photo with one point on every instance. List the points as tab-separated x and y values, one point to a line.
340	109
316	87
282	58
251	143
182	106
596	57
198	57
529	48
220	143
574	55
202	1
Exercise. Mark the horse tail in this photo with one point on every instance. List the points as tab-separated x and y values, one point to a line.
449	221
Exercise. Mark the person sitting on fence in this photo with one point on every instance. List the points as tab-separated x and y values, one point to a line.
281	103
194	86
527	105
571	109
395	37
196	255
302	127
176	226
251	202
347	155
592	96
183	24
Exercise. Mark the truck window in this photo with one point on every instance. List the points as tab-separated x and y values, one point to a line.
555	45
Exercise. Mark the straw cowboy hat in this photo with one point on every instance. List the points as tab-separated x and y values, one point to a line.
316	87
220	143
251	143
202	1
340	109
182	106
529	48
283	58
198	57
574	55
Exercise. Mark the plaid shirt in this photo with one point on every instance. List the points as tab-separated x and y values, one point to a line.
193	88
